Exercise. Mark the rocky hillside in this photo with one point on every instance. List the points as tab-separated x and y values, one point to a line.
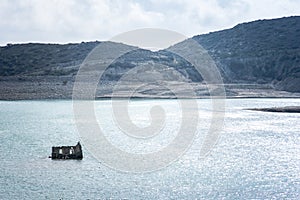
264	53
42	59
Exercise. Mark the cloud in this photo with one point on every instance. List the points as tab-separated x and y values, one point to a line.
58	21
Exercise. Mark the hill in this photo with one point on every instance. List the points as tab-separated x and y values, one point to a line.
42	59
256	59
264	51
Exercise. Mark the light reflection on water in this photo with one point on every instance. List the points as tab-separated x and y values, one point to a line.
257	155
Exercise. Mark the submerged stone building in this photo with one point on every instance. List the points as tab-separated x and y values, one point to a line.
67	152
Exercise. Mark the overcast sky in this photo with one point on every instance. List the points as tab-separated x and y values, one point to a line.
63	21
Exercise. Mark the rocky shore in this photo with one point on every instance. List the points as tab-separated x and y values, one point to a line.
286	109
61	87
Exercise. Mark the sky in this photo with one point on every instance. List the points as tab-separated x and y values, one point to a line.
65	21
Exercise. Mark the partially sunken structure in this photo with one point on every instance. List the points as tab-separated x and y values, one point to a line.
67	152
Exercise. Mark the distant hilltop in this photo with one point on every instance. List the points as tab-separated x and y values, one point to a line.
256	59
263	51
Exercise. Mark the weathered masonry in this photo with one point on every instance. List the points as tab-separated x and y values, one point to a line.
67	152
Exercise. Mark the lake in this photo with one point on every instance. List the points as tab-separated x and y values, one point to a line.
257	155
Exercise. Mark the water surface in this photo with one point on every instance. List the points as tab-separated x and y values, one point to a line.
257	155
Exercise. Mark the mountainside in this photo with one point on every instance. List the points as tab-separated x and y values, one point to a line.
42	59
264	51
259	56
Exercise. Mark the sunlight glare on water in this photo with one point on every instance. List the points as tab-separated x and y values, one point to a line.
256	157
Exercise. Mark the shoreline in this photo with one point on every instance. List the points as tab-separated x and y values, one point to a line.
62	88
153	98
284	109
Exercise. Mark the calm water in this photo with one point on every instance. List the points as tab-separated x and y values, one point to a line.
257	155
